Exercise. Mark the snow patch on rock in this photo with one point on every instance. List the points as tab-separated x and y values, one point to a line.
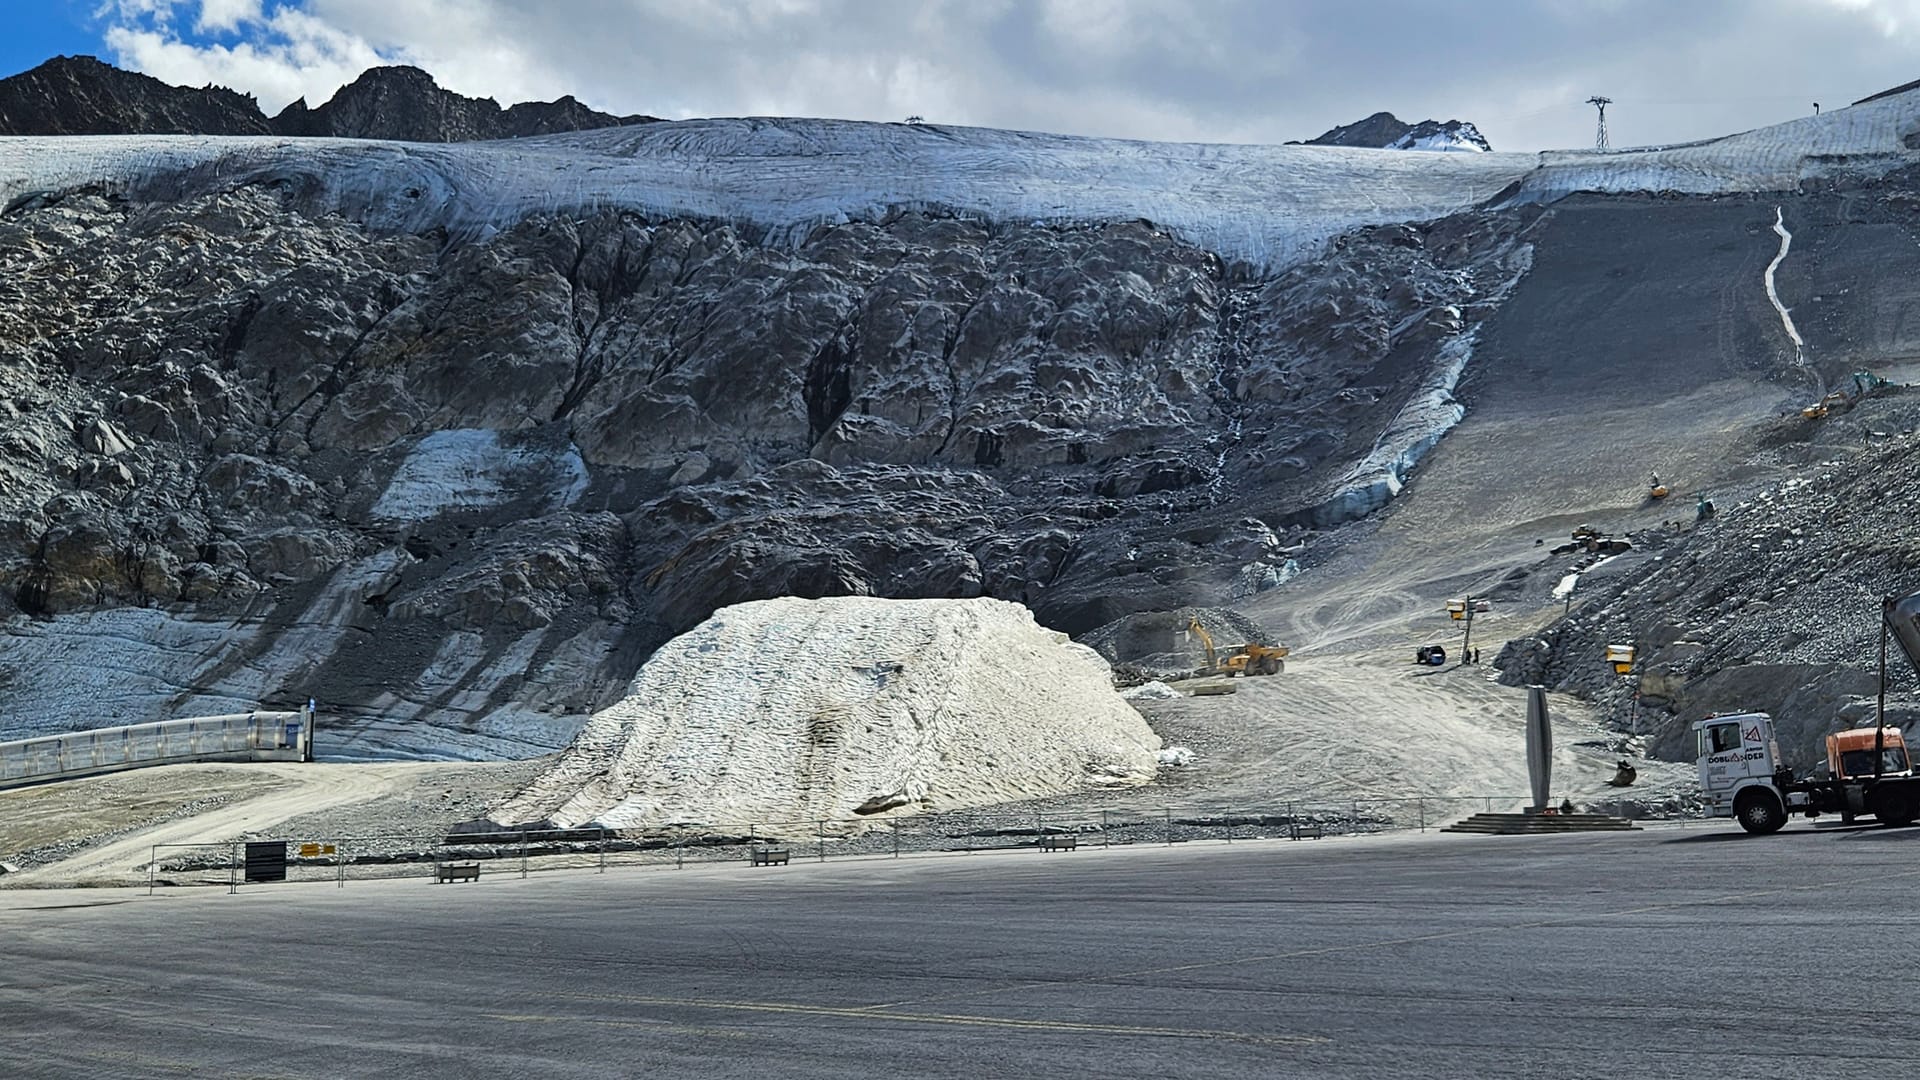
469	469
794	710
1416	429
1452	137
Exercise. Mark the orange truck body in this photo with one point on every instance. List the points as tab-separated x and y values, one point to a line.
1850	754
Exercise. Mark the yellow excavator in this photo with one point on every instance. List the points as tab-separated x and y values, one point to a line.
1248	659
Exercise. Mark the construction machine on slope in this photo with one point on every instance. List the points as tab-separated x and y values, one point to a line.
1859	385
1252	658
1593	541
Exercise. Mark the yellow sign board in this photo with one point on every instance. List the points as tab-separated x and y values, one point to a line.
1621	657
308	851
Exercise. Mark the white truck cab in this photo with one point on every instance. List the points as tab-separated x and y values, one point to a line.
1741	775
1737	752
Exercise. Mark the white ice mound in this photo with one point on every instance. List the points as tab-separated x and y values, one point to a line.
795	710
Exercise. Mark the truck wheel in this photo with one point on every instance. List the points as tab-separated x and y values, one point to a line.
1759	811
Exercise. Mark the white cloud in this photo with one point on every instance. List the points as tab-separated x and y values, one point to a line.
161	10
1237	70
293	55
218	16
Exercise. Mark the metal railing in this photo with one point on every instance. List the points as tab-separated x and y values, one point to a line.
519	853
254	736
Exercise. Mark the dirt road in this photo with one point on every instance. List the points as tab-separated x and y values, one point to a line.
359	798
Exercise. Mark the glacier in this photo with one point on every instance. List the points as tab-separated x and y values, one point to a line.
1271	206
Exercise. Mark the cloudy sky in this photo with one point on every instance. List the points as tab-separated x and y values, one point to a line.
1213	70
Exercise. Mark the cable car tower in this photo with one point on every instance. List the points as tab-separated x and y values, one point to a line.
1600	136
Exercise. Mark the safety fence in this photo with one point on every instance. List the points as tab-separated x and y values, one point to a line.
254	736
461	857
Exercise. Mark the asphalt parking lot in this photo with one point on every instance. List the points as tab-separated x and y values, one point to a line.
1668	952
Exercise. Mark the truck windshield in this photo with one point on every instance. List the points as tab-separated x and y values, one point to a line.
1860	762
1727	737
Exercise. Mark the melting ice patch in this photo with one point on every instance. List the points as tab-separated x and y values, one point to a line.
470	469
1416	429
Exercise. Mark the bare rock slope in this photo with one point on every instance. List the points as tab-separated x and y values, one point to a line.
475	486
1773	604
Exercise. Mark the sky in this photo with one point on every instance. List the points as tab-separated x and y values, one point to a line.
1200	70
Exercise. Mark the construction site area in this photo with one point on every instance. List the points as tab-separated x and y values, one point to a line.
1380	686
812	597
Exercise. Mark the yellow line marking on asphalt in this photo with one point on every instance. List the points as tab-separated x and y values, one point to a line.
850	1012
650	1025
1442	935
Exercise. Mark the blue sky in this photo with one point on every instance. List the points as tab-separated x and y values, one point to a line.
1201	70
37	30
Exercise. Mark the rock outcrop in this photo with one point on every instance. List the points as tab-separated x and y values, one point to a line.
1388	132
405	103
80	95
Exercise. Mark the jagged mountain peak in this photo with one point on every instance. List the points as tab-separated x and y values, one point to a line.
406	103
1387	131
82	95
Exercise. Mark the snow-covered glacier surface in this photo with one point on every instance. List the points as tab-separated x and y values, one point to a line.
1271	205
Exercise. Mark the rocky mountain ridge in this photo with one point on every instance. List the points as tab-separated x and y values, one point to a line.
80	95
1386	131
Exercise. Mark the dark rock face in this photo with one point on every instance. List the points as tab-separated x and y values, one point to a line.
80	95
405	103
473	487
1384	130
1378	130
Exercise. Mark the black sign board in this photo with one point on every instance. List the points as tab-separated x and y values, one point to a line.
267	861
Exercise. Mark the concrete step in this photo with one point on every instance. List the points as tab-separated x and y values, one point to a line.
1536	824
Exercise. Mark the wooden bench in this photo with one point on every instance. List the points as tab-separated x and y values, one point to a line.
1059	843
771	856
456	872
1306	830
